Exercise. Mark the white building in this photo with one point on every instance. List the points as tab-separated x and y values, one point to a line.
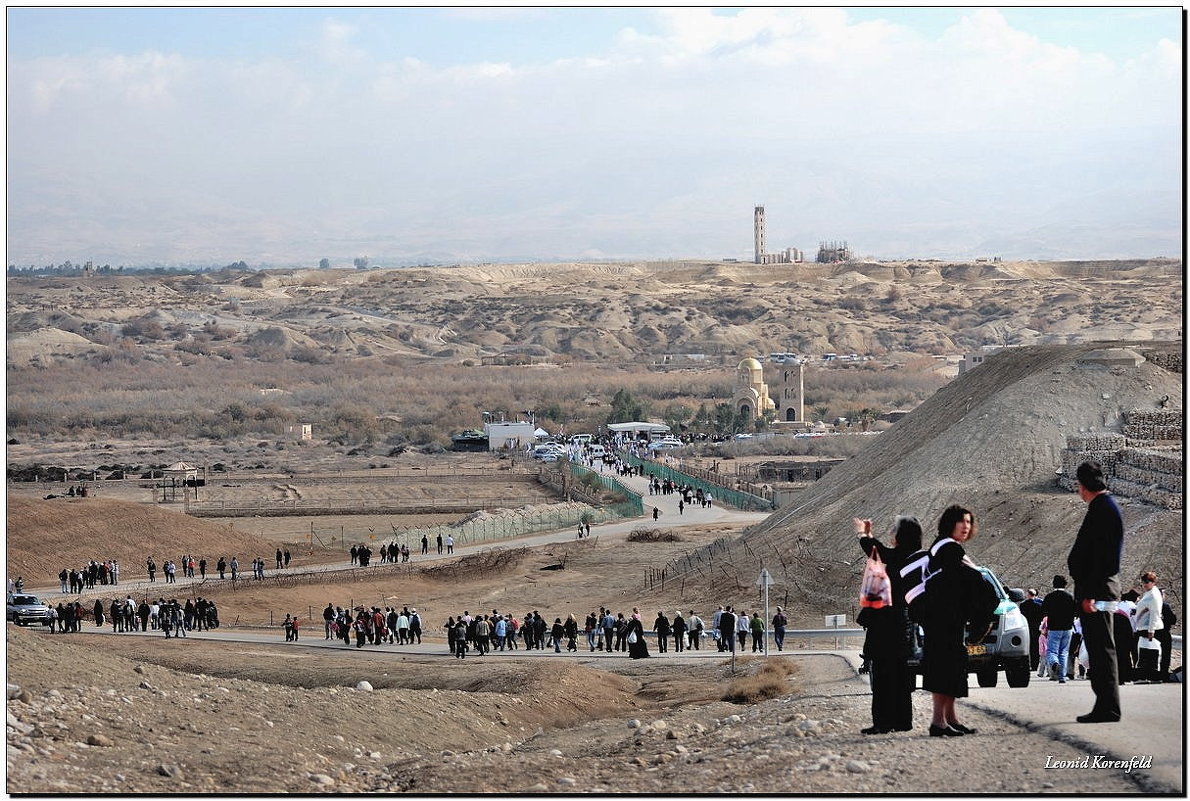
510	435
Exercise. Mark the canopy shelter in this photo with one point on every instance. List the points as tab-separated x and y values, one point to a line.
179	474
624	431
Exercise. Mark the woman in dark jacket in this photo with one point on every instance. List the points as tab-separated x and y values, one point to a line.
679	631
944	657
570	629
887	645
638	649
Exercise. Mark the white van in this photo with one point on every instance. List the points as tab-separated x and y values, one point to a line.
581	439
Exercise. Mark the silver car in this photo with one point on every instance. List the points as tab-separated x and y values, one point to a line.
25	610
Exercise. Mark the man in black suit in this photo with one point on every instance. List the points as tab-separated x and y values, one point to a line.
1094	564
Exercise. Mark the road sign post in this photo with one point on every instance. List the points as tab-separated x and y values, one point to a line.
835	622
766	581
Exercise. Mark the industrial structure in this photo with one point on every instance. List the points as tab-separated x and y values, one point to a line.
788	256
833	252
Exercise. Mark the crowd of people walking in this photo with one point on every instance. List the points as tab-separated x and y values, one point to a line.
126	615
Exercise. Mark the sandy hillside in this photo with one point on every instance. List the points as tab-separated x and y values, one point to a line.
990	440
45	536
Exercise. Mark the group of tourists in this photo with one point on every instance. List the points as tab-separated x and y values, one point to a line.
361	555
373	625
128	616
688	494
485	633
940	589
94	573
1140	628
169	569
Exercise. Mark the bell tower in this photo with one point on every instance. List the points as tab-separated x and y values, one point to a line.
758	233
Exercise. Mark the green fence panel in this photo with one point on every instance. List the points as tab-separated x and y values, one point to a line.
740	500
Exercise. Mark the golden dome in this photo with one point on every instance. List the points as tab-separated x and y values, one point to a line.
749	364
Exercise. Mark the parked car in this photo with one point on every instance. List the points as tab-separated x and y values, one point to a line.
25	610
1004	648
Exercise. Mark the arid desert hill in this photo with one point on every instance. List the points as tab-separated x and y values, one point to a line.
992	440
44	536
588	311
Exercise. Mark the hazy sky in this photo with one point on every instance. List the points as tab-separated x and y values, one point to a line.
284	135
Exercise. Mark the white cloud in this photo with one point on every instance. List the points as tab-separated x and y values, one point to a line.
336	45
713	111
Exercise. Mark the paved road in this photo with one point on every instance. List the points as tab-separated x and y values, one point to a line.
1153	724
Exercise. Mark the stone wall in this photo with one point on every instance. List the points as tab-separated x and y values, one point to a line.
1166	360
1134	465
1153	426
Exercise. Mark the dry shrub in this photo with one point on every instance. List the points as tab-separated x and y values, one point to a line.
479	565
771	680
652	535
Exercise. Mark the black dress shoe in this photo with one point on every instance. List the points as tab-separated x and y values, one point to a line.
944	731
1096	717
962	728
874	730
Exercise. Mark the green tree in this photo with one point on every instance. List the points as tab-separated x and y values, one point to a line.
360	262
626	409
324	264
353	425
675	415
724	418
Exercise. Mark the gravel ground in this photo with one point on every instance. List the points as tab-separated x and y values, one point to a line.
84	720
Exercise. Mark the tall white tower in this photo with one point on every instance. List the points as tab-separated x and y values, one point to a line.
758	232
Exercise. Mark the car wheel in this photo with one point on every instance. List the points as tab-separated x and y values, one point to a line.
987	678
1018	675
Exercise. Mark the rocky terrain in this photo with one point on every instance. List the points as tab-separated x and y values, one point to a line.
168	717
600	312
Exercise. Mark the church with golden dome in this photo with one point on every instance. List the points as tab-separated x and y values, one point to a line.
751	396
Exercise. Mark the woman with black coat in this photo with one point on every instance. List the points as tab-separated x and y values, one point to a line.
953	585
887	644
638	649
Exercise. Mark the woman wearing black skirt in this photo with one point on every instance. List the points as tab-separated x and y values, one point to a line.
638	649
944	657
